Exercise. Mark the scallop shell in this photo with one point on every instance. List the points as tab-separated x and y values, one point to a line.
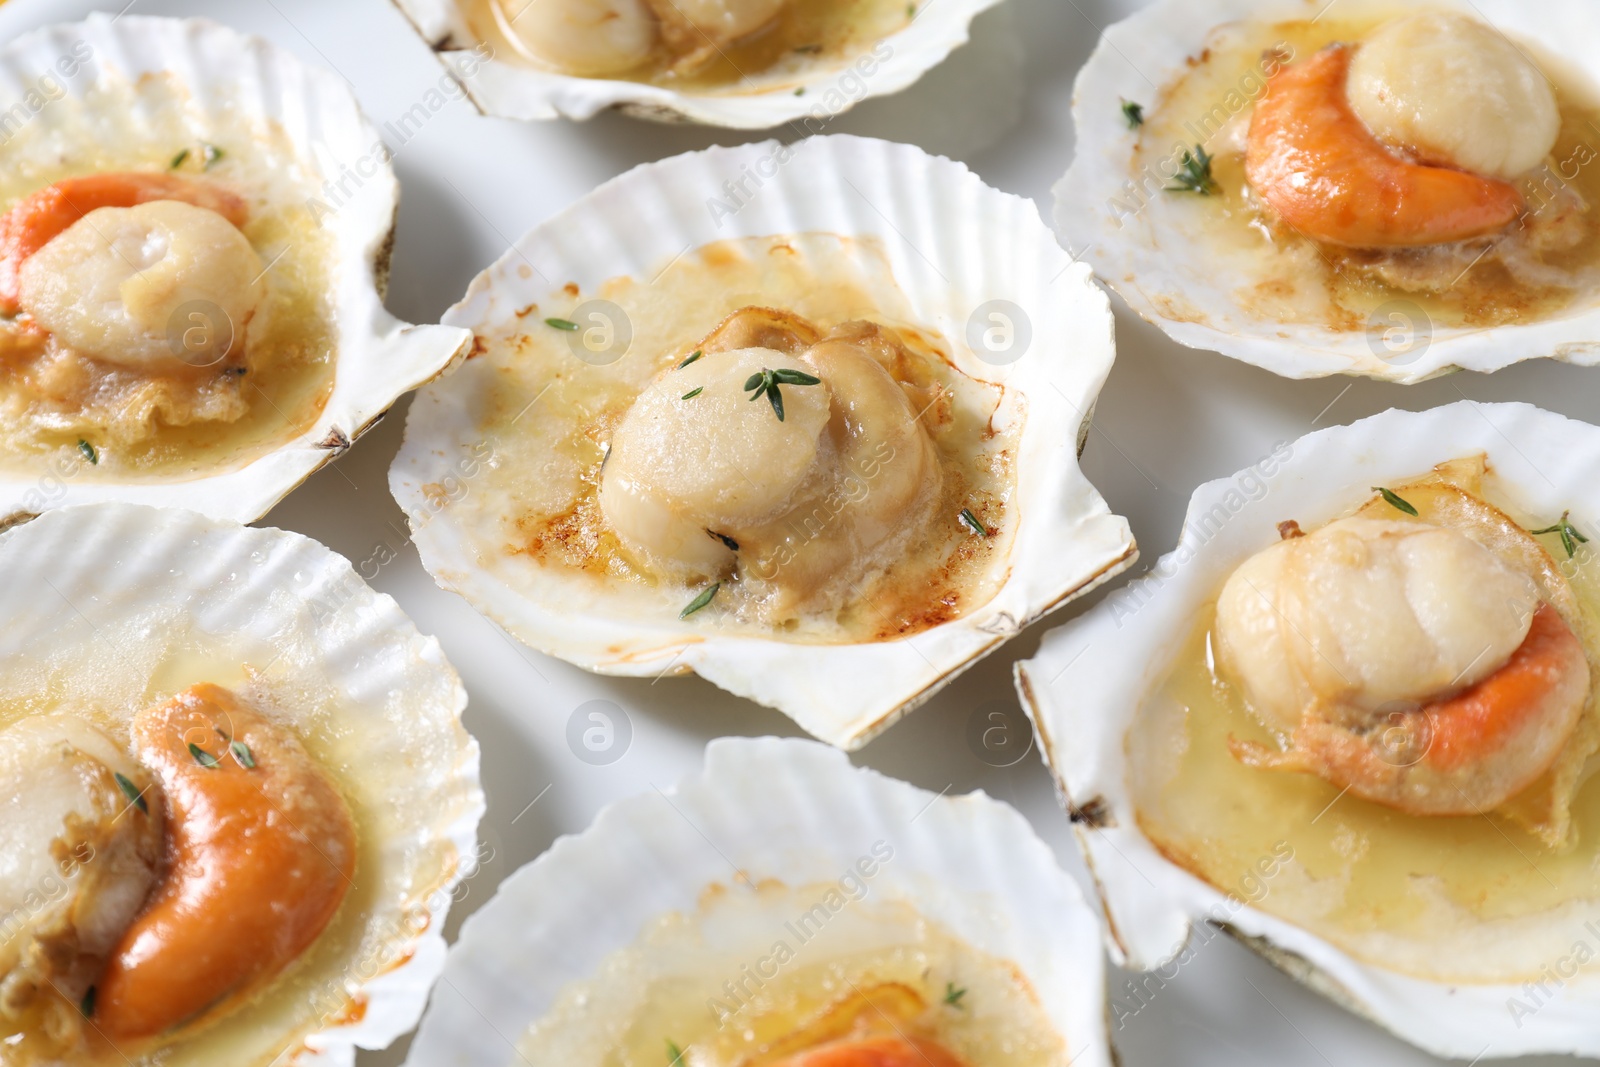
952	247
812	94
1083	706
237	79
99	598
767	808
1141	247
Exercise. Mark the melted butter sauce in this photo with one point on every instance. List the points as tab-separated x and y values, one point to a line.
1291	279
806	34
755	976
291	361
1472	898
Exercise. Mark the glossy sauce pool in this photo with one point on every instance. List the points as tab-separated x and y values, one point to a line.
1466	898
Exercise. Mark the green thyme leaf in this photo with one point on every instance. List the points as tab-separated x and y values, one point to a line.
970	521
800	91
1571	537
241	752
201	756
210	153
1194	174
808	49
88	451
86	1005
1395	500
691	394
1133	113
561	324
177	160
700	601
696	354
767	382
725	539
674	1055
952	995
132	792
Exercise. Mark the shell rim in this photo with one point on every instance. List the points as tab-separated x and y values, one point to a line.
553	95
617	818
679	650
366	332
1090	775
405	984
1293	350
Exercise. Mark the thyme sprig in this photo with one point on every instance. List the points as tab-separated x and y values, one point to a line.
134	794
700	601
766	384
1133	113
1396	501
1571	538
1194	174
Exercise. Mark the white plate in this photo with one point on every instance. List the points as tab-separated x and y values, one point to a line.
1169	419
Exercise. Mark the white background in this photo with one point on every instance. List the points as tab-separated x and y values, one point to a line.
1169	419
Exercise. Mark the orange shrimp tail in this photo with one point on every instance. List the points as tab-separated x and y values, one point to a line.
1327	176
260	855
875	1052
1483	721
41	216
1461	755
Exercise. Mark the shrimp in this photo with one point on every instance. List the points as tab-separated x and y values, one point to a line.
1327	176
1460	755
261	849
875	1052
38	218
